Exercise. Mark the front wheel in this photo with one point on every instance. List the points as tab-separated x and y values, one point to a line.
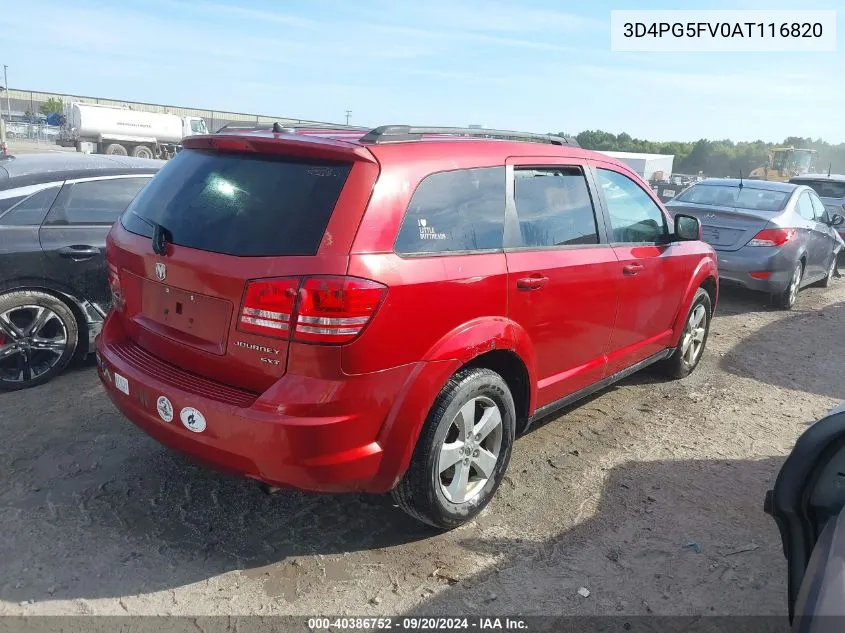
687	354
462	452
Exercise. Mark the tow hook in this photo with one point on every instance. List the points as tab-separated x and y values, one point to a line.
269	490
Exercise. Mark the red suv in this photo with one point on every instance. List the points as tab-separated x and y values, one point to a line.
338	311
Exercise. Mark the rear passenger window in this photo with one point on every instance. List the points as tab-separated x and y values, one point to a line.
818	207
805	207
30	211
554	207
454	211
95	201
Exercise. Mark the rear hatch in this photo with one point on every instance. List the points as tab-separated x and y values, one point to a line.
730	226
239	225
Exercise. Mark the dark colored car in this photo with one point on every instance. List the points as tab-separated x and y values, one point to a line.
831	191
339	311
769	236
808	505
55	213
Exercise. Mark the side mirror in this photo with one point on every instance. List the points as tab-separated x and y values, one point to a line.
836	220
687	227
807	504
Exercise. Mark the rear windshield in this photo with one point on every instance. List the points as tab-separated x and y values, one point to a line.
736	197
239	204
825	188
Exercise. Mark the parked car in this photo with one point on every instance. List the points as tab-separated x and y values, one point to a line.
55	213
771	237
808	505
830	189
338	311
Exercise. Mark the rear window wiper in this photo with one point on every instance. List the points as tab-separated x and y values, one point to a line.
161	235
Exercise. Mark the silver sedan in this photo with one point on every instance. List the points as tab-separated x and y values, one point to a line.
769	236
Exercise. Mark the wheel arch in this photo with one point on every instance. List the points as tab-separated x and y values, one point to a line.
87	315
497	344
706	275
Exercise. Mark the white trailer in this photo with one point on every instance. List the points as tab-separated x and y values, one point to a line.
100	129
646	165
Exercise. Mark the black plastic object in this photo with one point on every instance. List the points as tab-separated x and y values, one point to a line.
809	492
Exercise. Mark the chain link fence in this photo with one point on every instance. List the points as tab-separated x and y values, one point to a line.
32	132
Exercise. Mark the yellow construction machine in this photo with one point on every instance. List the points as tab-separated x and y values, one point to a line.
785	163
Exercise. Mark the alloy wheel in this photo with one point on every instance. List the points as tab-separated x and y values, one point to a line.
795	283
693	341
470	450
33	340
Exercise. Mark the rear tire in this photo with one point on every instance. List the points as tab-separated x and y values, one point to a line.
690	349
32	357
142	151
115	149
786	299
475	463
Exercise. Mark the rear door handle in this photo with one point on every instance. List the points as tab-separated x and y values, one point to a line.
531	283
632	269
79	253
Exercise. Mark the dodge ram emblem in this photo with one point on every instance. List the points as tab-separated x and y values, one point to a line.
161	271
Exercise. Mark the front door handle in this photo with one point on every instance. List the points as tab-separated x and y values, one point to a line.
632	269
79	253
531	283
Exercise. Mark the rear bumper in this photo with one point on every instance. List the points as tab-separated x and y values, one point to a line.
307	433
735	267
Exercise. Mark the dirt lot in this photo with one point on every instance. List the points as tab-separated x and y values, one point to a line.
96	518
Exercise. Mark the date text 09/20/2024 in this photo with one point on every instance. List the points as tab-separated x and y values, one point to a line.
418	624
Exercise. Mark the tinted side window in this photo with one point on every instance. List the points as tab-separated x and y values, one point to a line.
30	211
805	207
460	210
634	216
554	207
95	201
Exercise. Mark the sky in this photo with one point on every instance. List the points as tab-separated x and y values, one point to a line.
541	65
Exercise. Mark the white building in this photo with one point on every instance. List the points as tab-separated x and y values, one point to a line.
645	164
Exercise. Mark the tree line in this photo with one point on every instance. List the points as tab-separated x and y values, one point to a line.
723	158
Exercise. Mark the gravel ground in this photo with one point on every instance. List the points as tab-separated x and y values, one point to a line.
96	518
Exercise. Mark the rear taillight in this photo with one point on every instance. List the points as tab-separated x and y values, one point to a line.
267	307
772	237
335	309
328	310
117	299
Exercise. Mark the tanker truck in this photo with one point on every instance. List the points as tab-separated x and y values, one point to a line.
101	129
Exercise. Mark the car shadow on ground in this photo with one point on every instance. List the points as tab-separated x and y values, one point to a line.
650	546
816	368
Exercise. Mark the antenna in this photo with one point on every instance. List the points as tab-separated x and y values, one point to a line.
740	179
829	167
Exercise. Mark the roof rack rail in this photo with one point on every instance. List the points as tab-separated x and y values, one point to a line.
281	128
398	133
